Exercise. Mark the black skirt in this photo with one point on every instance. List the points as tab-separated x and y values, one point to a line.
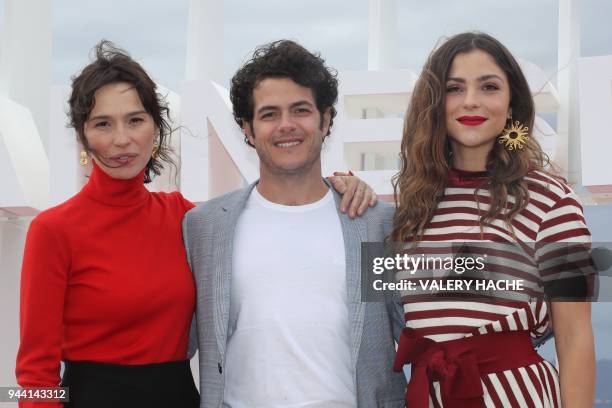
93	385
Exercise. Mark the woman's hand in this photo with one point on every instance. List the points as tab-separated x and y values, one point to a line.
357	195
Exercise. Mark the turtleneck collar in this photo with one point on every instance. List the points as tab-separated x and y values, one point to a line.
116	192
466	178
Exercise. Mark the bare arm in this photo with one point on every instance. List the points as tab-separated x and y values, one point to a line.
575	351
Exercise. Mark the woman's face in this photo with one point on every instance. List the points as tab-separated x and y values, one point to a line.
477	101
120	131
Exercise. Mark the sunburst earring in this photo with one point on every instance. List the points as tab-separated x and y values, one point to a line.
514	135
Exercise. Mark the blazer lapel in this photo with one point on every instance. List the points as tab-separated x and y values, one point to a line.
222	262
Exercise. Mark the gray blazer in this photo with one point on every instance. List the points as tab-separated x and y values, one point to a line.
209	237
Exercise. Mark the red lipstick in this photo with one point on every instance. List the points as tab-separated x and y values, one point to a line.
471	120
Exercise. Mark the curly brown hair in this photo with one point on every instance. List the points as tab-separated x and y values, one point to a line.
111	65
283	59
426	152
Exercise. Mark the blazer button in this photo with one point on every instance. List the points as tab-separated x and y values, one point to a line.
220	368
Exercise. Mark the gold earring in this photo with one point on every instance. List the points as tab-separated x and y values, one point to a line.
155	151
83	160
514	135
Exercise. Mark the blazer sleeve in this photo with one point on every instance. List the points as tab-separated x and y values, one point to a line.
44	277
396	314
193	335
395	309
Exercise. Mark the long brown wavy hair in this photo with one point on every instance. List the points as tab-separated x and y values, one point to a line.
426	153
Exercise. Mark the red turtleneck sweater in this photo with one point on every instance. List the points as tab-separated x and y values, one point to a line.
105	278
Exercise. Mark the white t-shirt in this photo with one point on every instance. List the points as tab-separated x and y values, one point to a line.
288	342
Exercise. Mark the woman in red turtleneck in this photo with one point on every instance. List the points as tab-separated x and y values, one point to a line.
105	279
105	283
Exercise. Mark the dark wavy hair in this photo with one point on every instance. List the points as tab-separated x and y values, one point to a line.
426	154
112	65
283	59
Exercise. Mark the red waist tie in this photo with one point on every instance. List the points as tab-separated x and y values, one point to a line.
459	364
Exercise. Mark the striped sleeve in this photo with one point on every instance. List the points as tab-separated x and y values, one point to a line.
564	222
563	250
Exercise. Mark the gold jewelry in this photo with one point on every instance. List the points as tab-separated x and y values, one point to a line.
83	160
155	151
514	135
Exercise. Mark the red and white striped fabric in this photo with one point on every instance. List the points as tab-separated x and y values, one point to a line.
552	215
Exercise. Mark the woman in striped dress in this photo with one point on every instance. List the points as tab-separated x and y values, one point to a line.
473	174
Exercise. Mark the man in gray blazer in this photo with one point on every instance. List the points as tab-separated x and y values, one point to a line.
280	319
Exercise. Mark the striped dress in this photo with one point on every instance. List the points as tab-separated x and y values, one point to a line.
553	215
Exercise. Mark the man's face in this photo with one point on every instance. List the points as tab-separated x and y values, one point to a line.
287	129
